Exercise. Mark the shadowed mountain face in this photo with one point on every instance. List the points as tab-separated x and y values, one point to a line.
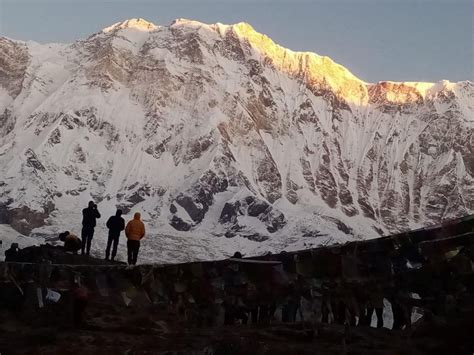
216	129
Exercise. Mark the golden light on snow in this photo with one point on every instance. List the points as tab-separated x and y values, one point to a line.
317	72
311	67
406	92
135	23
315	69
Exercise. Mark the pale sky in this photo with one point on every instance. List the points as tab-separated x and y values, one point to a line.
400	40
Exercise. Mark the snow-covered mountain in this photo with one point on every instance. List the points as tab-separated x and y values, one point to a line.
224	141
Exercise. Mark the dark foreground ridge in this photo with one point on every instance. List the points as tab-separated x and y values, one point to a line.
319	301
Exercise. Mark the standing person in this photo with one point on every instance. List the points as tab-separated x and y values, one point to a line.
89	216
376	303
134	231
116	224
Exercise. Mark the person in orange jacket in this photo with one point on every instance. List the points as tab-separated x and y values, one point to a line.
134	231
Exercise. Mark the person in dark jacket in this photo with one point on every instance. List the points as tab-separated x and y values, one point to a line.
116	224
89	216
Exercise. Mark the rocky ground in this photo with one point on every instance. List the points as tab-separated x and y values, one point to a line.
118	329
121	330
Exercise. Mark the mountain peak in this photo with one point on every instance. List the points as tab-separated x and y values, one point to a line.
185	21
135	23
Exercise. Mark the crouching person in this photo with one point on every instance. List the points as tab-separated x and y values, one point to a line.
12	253
134	231
72	243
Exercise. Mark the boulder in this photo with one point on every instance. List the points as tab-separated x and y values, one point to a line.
230	234
194	211
250	200
173	209
256	237
257	208
180	225
275	220
229	212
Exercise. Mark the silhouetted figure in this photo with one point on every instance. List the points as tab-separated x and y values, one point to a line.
400	310
290	308
71	242
89	216
12	253
116	224
237	255
134	231
376	303
80	299
364	305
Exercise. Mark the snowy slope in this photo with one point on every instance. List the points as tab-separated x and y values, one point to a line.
8	236
224	141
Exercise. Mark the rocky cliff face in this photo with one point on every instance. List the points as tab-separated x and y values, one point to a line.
214	130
